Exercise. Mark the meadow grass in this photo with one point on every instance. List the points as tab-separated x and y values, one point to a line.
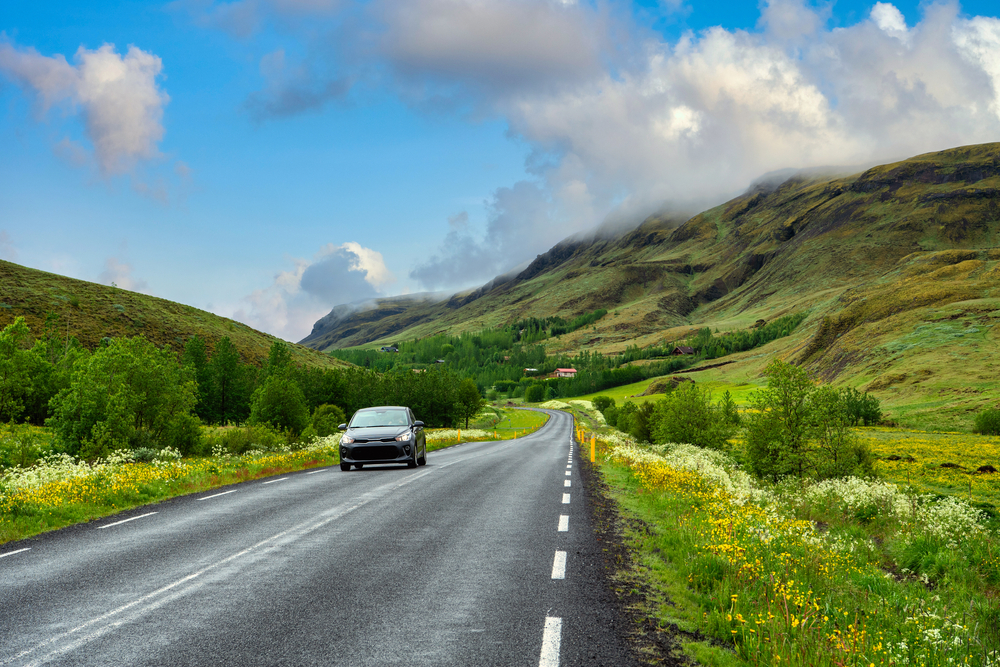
847	572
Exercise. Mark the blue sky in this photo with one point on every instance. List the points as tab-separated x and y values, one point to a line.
269	159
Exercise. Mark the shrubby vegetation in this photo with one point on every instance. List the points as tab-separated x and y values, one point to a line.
988	422
130	394
793	427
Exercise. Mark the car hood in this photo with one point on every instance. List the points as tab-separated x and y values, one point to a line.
376	432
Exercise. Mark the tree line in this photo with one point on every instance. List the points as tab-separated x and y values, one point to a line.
129	393
496	358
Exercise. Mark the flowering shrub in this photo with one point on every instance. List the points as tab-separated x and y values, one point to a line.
784	589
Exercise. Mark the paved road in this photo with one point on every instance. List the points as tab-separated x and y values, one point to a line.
455	563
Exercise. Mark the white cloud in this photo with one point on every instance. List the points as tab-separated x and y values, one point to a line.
617	118
119	273
117	96
298	297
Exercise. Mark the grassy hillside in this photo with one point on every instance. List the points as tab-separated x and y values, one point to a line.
898	267
91	312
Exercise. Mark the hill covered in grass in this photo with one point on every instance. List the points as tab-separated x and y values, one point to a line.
91	312
898	267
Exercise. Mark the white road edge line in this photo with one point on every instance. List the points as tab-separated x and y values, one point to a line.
563	523
11	553
272	481
217	495
118	523
551	638
567	482
559	565
313	472
565	499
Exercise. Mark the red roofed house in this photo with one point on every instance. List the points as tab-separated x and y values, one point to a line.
565	372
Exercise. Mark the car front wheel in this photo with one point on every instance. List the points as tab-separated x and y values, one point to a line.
345	466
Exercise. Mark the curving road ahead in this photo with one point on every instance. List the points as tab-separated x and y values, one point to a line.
483	557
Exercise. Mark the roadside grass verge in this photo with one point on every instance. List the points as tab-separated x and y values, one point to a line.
492	423
60	491
851	572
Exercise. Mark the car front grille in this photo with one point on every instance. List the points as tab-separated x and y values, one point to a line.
375	453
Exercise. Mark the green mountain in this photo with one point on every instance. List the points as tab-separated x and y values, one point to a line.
898	267
91	312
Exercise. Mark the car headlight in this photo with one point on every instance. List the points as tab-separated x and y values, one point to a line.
404	437
346	440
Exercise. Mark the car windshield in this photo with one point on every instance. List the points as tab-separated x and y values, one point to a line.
370	418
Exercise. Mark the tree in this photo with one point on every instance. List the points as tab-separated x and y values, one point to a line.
195	357
280	402
470	402
777	428
128	394
687	415
15	369
231	383
838	452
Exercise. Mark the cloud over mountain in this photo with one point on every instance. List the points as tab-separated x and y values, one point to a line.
618	117
298	297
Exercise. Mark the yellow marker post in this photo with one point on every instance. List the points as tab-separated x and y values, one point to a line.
593	448
460	435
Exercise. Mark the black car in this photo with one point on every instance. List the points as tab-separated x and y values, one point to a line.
386	434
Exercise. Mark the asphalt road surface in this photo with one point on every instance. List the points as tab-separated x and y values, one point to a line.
483	557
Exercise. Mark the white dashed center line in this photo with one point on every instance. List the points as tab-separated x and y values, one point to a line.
11	553
551	639
567	482
118	523
217	495
570	465
568	473
565	499
559	565
563	523
272	481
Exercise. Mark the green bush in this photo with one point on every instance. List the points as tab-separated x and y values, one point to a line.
325	420
603	402
988	422
687	415
534	393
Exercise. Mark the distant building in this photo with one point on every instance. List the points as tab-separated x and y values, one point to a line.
565	372
388	348
682	349
530	370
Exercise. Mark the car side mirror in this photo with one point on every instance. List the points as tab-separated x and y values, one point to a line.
418	424
343	427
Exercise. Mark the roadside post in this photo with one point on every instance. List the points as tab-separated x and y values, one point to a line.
593	448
